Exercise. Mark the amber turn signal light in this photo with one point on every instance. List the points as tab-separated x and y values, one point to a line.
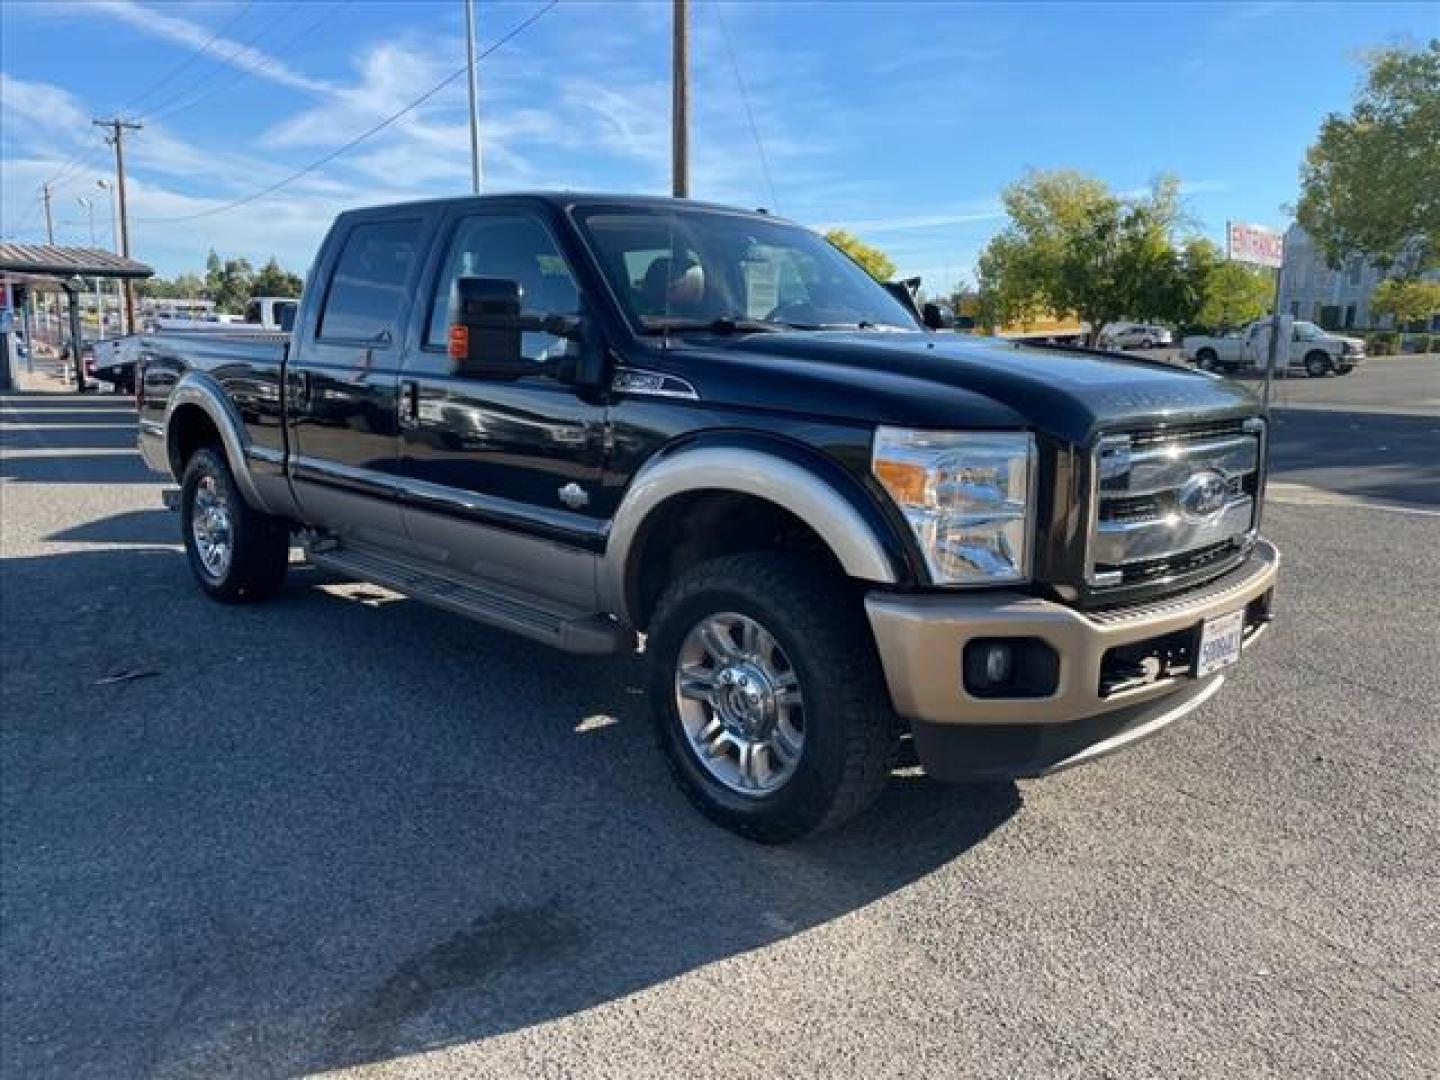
459	342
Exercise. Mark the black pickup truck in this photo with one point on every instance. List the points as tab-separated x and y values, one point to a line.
607	421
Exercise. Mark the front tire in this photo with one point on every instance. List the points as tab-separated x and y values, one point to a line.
237	554
767	696
1205	360
1317	364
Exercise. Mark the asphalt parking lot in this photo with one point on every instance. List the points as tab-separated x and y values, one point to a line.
346	832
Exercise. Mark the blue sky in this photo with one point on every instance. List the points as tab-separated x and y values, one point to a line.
901	122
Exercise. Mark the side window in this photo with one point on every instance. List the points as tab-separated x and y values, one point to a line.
367	288
252	311
513	246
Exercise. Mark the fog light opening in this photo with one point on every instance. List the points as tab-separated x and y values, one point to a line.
1010	668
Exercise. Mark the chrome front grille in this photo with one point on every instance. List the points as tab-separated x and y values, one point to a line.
1172	502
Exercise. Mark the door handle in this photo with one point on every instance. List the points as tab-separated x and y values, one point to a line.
409	401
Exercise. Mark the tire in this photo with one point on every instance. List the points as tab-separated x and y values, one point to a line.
1147	344
237	554
823	658
1205	359
1317	364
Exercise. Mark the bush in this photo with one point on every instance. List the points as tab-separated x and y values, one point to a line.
1382	342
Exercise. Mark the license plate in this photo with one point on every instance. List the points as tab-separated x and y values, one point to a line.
1220	643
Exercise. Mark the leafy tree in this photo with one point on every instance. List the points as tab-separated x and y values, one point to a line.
1371	183
273	281
876	263
1073	246
1216	292
1406	301
232	286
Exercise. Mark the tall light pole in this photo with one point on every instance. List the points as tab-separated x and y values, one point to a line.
89	205
680	103
475	171
109	189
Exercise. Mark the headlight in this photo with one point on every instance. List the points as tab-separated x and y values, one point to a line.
967	496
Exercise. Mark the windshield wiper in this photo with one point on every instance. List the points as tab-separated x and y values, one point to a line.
725	324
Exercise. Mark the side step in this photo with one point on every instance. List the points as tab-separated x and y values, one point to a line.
571	631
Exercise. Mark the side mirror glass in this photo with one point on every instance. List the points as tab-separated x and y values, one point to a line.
936	317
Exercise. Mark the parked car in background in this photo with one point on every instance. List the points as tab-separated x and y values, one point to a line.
271	312
1306	347
1135	336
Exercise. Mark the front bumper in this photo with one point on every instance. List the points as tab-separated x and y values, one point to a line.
921	640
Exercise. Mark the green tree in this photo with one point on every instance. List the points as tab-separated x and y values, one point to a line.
230	288
1406	301
274	281
876	263
1371	183
1072	246
1215	292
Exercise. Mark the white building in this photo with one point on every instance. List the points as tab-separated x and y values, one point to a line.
1335	299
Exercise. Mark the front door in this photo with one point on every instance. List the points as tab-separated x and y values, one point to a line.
500	474
343	384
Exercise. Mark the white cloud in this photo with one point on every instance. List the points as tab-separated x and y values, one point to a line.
227	51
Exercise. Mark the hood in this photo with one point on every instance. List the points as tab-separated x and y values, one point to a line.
953	380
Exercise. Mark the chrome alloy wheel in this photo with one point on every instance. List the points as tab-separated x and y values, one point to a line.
739	701
211	527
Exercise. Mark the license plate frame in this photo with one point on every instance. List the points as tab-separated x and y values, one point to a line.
1221	640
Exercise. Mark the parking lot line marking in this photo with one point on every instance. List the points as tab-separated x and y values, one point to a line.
1287	494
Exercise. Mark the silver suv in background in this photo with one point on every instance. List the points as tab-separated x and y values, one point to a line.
1136	336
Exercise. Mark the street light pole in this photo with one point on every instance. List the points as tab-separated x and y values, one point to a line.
475	170
89	205
109	189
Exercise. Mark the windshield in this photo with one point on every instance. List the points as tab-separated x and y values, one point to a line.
685	267
1307	331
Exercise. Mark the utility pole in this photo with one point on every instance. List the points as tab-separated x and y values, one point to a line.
116	138
49	224
680	103
474	99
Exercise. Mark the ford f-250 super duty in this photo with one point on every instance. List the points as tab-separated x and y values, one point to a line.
601	420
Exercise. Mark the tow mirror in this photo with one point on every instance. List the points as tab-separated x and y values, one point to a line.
486	336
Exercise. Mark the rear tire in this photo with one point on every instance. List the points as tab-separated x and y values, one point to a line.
237	554
1317	364
823	735
1205	359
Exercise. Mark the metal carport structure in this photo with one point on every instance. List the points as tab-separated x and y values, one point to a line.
52	266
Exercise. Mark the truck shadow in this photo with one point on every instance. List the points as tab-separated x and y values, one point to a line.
343	828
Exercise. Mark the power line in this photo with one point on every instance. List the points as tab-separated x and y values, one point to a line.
183	104
80	160
749	113
381	126
189	60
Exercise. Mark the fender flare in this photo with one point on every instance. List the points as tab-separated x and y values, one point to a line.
200	390
778	479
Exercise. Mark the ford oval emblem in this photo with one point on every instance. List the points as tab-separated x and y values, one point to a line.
1203	495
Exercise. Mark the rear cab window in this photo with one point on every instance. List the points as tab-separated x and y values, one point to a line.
370	283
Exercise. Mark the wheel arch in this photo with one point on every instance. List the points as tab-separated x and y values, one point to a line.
789	483
200	412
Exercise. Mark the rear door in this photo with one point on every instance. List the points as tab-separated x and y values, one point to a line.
343	381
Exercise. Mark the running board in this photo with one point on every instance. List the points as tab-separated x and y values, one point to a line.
592	634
